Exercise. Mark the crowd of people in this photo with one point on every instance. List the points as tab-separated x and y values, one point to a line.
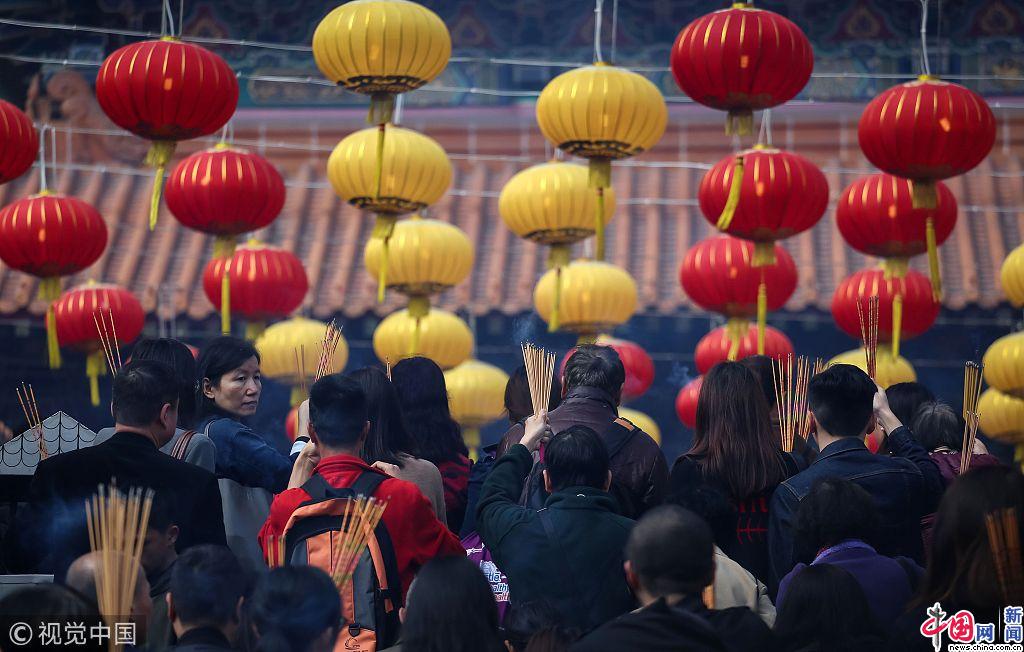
572	533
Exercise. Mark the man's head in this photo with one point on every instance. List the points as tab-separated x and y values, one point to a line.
670	552
145	399
161	535
841	400
337	413
576	457
595	366
81	577
834	511
207	586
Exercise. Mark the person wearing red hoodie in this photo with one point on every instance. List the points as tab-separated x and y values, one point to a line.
335	418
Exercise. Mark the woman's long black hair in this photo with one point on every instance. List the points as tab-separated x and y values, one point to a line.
217	357
451	609
424	398
290	608
388	435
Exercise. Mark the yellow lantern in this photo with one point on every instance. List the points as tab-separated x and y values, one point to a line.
476	394
290	353
586	297
643	422
425	257
552	204
439	335
1001	416
1012	276
888	370
601	113
1004	364
381	48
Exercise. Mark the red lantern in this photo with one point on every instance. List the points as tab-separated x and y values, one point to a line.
763	194
19	142
638	365
718	275
263	282
291	423
166	91
75	315
720	345
686	402
926	130
225	192
740	60
906	306
49	236
876	216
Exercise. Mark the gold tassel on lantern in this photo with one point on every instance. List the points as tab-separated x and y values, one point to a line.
923	194
897	324
764	254
49	291
471	436
734	330
382	230
419	307
558	257
225	300
95	364
725	219
895	267
933	259
224	246
762	314
739	122
599	225
379	167
158	156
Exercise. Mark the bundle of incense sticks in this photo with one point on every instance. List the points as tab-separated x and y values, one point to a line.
540	369
1003	527
973	376
361	517
274	555
330	345
29	406
108	339
970	434
869	333
117	525
791	383
300	367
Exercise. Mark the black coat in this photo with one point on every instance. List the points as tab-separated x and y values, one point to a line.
50	529
684	627
202	639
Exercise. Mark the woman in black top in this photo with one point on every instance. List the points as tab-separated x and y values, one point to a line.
735	452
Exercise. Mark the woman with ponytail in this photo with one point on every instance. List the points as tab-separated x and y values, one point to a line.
293	609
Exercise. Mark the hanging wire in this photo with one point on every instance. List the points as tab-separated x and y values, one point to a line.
764	134
598	4
42	159
181	16
615	25
925	68
399	105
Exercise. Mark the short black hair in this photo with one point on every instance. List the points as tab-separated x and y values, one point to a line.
936	425
835	510
178	356
337	410
595	366
906	398
162	514
576	457
671	550
141	389
523	620
841	399
206	583
218	357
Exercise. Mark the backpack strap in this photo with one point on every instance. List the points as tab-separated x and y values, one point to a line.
181	446
618	435
366	485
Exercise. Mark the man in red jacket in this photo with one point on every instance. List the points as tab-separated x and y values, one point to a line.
335	417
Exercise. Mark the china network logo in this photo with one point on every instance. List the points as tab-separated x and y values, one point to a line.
966	634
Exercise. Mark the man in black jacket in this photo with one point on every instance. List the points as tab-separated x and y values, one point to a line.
669	561
591	389
569	552
205	599
50	530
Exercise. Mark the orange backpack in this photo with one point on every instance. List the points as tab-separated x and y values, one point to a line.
370	603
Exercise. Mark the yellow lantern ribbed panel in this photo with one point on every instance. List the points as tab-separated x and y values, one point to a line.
278	343
1004	364
381	46
424	256
1012	276
415	171
595	296
552	203
602	111
443	337
476	393
888	370
643	422
1001	416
